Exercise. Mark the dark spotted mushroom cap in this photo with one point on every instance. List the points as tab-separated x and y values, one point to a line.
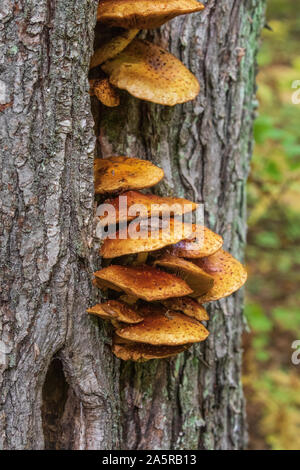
120	173
198	280
144	282
138	352
144	14
228	273
112	46
147	239
164	327
115	310
150	73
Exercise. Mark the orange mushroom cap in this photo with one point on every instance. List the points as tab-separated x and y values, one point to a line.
188	306
105	92
206	244
144	239
112	47
144	282
138	352
162	327
198	280
120	173
154	205
144	14
115	310
150	73
228	273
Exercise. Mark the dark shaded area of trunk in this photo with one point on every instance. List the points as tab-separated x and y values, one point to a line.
47	248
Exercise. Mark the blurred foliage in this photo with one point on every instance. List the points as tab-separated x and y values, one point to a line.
273	299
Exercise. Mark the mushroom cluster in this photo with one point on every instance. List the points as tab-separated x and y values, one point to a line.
157	281
145	70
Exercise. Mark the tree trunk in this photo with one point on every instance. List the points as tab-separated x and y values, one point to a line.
61	388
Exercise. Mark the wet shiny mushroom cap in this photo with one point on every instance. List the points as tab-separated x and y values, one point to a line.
144	14
144	282
198	280
155	206
120	173
105	92
228	273
138	352
150	73
162	327
205	244
188	306
137	239
112	47
115	310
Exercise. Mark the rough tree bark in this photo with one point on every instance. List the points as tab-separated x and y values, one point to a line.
60	385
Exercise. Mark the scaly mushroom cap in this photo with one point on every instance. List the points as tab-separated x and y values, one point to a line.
150	73
206	244
138	352
163	327
115	174
188	306
115	310
150	239
144	14
105	92
144	282
228	273
113	47
198	280
154	205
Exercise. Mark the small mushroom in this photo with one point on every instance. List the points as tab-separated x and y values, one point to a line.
144	239
150	73
228	273
105	92
113	47
118	173
164	328
138	352
188	306
154	205
144	14
115	310
144	282
206	244
198	280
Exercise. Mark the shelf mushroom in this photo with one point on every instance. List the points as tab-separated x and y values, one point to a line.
113	46
144	240
228	273
162	327
105	92
188	306
115	310
143	282
119	173
144	14
155	205
150	73
198	280
138	352
205	244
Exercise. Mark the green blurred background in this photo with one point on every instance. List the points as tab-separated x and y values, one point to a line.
272	382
